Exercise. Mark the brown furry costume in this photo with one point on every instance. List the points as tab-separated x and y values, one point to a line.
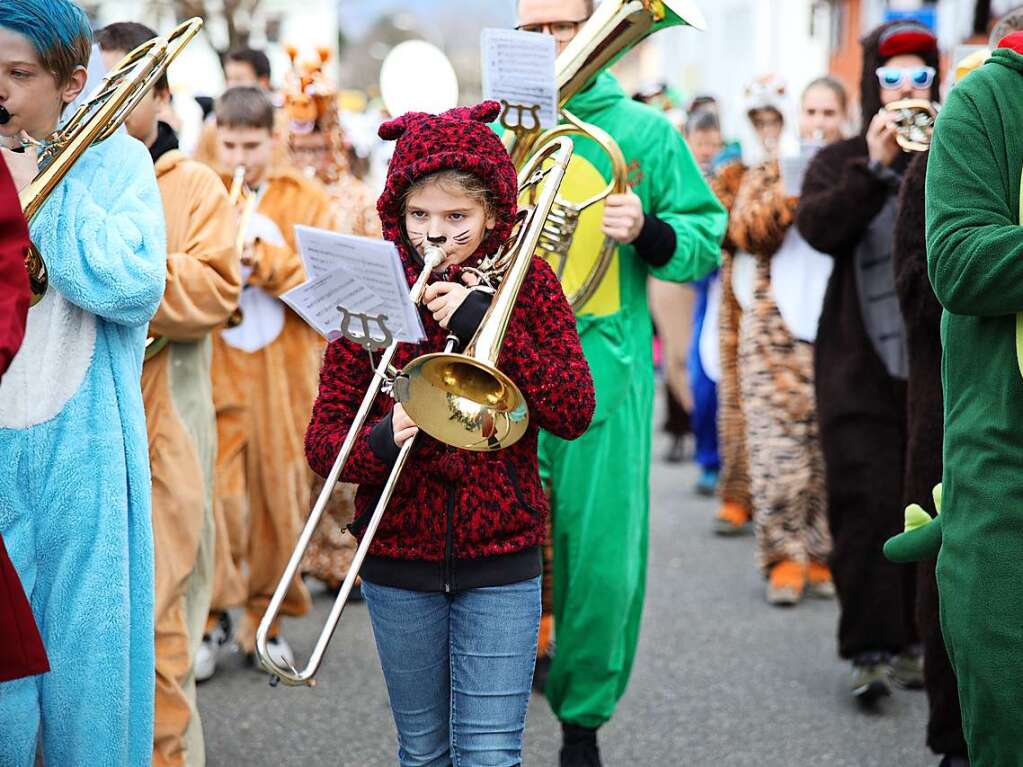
862	408
264	400
922	313
203	284
733	480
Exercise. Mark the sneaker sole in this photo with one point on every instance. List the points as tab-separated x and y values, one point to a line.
782	600
871	692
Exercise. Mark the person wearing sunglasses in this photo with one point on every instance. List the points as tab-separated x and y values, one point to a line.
668	226
847	210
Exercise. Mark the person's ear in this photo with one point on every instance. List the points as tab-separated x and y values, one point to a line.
75	85
490	222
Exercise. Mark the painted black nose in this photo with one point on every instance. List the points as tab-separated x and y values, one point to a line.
5	116
437	240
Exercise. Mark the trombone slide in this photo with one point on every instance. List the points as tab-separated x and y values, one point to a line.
292	676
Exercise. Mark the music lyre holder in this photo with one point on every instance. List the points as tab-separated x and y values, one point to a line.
520	126
364	336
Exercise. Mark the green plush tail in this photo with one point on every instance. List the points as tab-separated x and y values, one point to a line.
921	539
915	545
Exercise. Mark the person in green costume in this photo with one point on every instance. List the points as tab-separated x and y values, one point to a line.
975	263
669	225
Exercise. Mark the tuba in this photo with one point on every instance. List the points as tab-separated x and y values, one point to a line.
613	29
914	123
95	120
480	407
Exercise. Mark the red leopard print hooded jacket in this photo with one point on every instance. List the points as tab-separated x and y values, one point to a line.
458	519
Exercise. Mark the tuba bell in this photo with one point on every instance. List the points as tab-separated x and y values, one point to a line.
486	409
914	123
96	120
613	29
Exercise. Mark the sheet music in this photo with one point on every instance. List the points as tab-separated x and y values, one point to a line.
518	67
316	302
363	274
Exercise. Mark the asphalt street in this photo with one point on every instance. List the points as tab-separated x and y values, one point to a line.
721	678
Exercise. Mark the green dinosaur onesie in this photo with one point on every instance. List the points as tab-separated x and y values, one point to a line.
975	262
600	482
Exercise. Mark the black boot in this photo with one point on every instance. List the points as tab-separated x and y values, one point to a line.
579	746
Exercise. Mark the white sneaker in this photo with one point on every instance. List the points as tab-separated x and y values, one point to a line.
206	659
206	655
280	651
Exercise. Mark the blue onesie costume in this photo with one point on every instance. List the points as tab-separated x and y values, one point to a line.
74	474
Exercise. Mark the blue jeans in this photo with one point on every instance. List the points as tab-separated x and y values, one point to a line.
704	418
458	669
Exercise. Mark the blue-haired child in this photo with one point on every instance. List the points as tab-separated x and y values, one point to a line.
74	474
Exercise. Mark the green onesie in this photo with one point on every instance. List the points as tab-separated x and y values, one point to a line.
975	261
600	482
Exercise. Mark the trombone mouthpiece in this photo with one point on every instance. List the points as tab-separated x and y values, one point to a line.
5	116
433	256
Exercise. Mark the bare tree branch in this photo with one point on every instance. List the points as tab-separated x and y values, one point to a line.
236	14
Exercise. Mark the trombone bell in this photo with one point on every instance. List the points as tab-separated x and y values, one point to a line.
464	402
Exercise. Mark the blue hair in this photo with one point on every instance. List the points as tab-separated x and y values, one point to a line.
58	29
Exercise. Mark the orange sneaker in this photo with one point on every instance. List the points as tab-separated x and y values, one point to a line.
820	583
732	519
786	583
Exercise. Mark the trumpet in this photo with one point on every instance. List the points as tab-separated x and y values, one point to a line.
96	120
477	406
914	123
251	201
613	29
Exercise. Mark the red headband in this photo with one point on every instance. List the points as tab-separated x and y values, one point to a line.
909	37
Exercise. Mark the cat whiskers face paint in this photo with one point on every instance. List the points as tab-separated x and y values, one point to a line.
445	215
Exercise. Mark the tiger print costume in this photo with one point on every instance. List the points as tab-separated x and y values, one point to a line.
734	479
777	386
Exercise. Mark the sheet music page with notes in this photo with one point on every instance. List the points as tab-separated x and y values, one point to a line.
518	67
362	274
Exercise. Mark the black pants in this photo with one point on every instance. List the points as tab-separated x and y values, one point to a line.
864	454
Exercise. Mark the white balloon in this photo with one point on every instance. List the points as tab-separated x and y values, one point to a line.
417	77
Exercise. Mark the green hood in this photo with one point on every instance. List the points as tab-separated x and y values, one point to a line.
1007	58
601	94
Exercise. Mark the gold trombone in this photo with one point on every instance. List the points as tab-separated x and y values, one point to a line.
914	123
96	120
460	399
613	29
